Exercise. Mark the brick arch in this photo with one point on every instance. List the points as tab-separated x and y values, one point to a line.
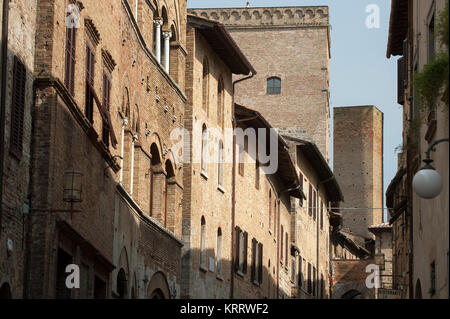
156	148
158	287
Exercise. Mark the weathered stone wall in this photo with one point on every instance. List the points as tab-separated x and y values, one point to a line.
350	276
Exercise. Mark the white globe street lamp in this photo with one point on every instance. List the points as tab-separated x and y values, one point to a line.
427	183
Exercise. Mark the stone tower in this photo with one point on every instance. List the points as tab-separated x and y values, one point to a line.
358	165
292	45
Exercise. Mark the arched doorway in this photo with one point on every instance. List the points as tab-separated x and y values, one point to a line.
122	284
352	294
418	292
5	291
158	288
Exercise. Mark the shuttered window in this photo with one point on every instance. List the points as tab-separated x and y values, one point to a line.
301	189
18	107
310	200
90	67
321	215
69	77
314	205
260	263
106	106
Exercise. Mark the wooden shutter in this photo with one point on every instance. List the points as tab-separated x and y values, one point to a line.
300	272
254	264
69	79
282	244
18	107
321	215
310	201
106	107
260	263
244	268
287	249
237	233
90	68
301	189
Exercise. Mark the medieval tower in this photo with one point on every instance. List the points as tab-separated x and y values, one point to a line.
358	166
289	48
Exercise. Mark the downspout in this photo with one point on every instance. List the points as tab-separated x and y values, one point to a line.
5	27
233	183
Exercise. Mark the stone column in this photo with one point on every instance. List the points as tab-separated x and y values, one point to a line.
158	24
166	36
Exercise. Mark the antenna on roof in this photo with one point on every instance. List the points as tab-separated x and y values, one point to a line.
247	5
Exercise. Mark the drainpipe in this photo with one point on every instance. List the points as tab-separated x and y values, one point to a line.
5	27
233	184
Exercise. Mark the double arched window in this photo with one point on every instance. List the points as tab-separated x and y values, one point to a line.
274	85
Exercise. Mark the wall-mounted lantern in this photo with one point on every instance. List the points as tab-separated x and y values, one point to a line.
73	186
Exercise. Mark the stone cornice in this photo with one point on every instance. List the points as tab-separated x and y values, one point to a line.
92	31
263	17
108	60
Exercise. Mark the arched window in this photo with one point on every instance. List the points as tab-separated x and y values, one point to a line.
122	284
220	164
168	191
204	148
154	163
274	85
203	243
219	252
205	85
220	98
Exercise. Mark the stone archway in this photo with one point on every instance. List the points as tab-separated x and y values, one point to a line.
158	288
5	291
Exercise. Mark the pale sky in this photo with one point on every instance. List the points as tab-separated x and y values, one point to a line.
360	72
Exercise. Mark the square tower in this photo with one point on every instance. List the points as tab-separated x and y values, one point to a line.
289	48
358	166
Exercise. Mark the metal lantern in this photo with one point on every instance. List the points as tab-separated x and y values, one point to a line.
379	261
72	186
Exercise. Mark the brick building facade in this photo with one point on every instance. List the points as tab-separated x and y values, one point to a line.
148	224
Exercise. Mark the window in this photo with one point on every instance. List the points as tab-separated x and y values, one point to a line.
205	85
241	159
432	290
309	279
219	252
287	249
241	253
270	209
274	85
314	205
220	164
431	40
203	243
314	281
301	189
293	270
18	107
106	106
310	200
322	287
321	215
300	272
69	77
220	98
257	253
204	148
90	68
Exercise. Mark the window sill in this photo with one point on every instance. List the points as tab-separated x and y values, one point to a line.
256	283
221	189
204	175
240	273
219	277
203	269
